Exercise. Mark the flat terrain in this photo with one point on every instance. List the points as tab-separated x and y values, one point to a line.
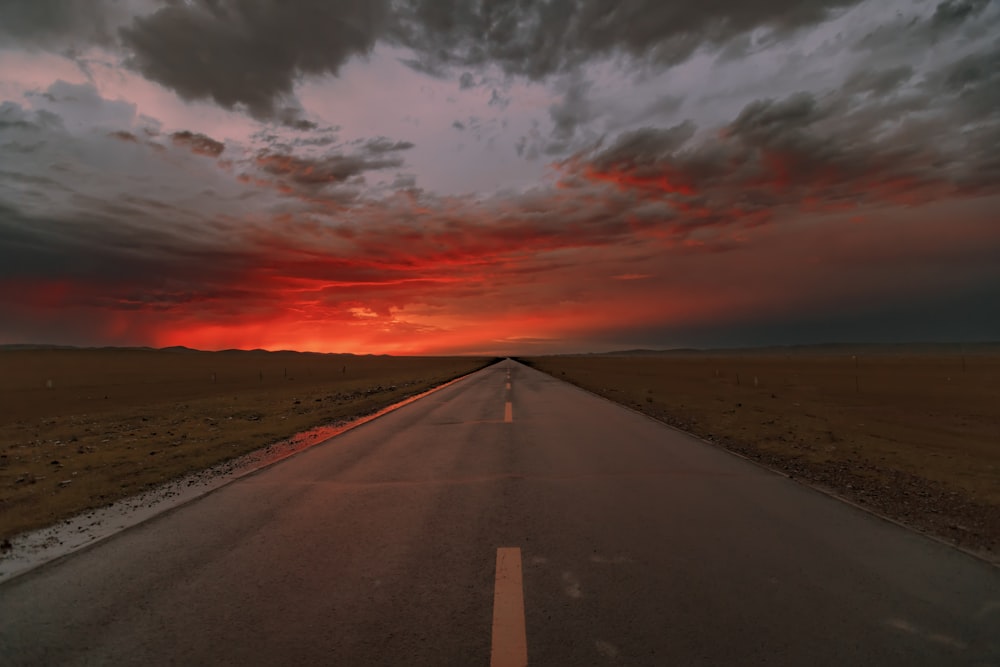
912	433
636	545
81	428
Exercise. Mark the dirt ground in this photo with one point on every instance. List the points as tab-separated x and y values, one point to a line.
914	434
82	428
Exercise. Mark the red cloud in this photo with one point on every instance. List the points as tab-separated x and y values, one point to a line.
483	285
649	234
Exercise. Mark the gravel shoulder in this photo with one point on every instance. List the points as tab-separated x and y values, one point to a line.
911	434
81	429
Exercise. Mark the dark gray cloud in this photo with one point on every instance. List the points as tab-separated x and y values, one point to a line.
665	105
405	182
62	247
965	316
251	53
970	87
951	13
198	143
975	80
764	121
909	34
543	38
499	100
826	153
879	81
644	148
80	104
466	81
306	175
379	145
573	110
60	23
15	117
61	275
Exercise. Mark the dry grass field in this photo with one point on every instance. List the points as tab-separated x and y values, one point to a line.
912	433
82	428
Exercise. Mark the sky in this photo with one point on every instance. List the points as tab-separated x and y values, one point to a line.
498	176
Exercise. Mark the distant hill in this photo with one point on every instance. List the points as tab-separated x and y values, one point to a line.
824	348
174	349
42	346
643	352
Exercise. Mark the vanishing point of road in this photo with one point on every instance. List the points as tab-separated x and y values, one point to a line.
509	519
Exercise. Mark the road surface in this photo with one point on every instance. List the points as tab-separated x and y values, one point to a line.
486	523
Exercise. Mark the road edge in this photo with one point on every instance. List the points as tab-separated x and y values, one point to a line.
986	558
45	547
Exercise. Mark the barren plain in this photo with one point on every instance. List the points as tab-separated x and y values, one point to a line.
80	428
912	433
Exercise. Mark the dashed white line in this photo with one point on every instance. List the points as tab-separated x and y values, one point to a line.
508	412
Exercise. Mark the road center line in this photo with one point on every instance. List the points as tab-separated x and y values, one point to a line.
510	642
508	412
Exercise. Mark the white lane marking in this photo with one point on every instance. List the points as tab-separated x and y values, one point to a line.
510	641
508	386
508	412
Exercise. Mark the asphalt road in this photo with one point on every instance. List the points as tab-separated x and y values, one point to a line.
622	541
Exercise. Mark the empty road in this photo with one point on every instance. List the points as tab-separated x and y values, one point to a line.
501	519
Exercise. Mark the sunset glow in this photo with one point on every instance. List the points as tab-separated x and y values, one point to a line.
384	178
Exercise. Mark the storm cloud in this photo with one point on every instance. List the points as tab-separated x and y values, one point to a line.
250	54
544	38
61	24
220	173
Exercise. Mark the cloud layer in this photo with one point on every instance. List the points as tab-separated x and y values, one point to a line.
229	174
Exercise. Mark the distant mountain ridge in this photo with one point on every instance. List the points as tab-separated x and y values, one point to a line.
832	348
45	346
178	349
